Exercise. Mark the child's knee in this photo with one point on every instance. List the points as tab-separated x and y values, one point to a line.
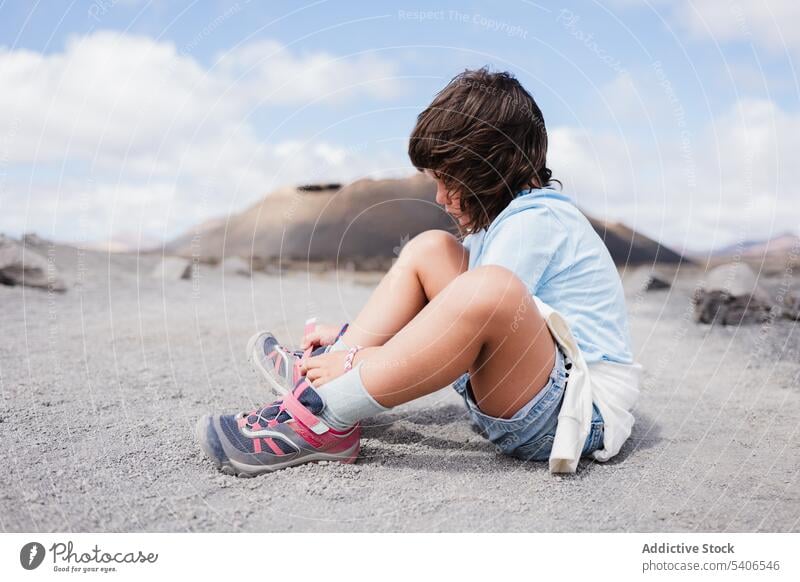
431	242
496	290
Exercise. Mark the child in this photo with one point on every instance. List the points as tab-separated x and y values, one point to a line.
525	315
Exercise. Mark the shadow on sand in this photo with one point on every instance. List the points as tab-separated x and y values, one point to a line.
394	443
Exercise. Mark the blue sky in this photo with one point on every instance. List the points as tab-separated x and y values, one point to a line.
137	119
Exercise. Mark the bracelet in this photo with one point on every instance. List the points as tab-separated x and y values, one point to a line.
348	359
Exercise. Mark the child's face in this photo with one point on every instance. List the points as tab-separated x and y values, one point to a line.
448	199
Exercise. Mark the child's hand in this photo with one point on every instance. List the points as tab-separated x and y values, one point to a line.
323	368
323	335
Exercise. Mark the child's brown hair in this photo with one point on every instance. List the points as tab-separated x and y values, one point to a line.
483	136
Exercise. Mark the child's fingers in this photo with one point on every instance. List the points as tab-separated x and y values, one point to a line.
308	365
311	339
333	333
314	375
321	335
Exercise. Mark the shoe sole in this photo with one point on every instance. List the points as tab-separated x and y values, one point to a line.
237	469
269	375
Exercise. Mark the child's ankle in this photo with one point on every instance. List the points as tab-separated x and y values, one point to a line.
347	400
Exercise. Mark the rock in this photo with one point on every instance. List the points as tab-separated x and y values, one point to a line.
319	187
173	268
236	266
21	265
791	305
656	282
731	295
31	239
646	279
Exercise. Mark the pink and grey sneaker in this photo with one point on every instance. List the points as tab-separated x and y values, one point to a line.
285	433
279	365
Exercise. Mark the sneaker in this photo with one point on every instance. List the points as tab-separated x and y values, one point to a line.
283	434
279	365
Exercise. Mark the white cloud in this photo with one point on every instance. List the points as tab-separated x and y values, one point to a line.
581	160
269	72
734	179
162	142
151	127
106	94
768	23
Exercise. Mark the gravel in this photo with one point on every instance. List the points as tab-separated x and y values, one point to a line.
100	389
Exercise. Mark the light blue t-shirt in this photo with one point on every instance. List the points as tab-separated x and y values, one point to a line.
544	239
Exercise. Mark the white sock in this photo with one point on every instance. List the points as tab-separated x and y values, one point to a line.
347	400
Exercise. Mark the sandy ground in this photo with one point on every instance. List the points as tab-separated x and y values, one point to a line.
100	389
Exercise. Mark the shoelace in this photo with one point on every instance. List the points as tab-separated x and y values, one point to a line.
264	414
301	353
275	410
272	411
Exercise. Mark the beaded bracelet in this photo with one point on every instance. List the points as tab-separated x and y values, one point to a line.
348	359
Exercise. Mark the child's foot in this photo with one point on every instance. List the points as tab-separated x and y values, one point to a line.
283	434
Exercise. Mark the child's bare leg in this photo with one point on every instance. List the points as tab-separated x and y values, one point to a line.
426	265
484	321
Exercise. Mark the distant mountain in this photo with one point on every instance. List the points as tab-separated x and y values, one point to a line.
360	222
183	245
777	246
364	223
630	247
125	242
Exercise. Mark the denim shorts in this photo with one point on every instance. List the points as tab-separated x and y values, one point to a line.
530	432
